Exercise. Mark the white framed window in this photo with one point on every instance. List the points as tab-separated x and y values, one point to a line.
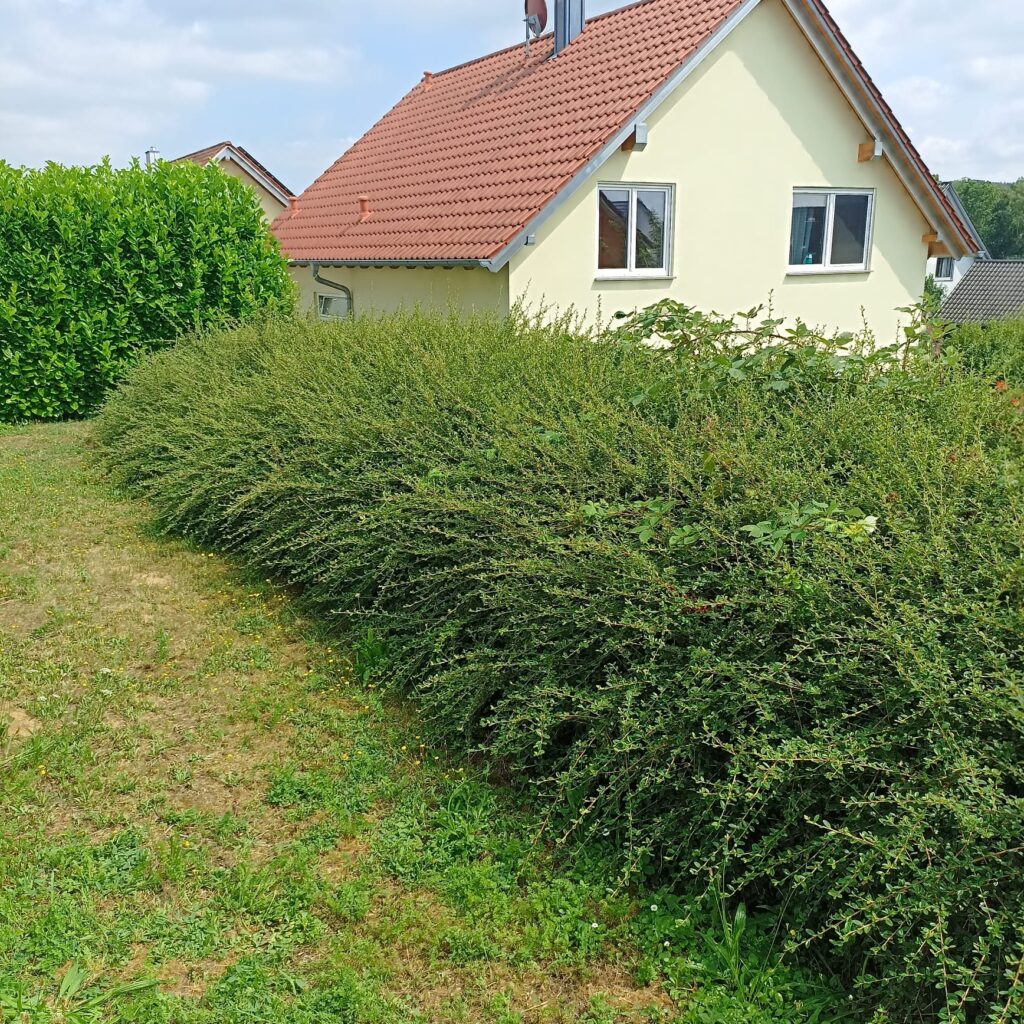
634	230
831	231
335	307
944	268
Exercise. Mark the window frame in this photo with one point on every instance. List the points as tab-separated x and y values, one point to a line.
631	273
827	266
343	291
938	268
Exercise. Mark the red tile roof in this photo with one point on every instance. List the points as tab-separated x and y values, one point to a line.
201	156
204	156
471	155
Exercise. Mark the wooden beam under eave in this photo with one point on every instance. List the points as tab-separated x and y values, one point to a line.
630	144
939	249
930	238
868	151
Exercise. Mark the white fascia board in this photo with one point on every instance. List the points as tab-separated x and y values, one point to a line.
393	264
227	153
596	162
874	118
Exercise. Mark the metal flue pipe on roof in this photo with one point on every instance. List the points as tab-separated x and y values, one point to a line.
570	17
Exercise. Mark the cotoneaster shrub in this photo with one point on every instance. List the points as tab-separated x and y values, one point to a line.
98	266
754	614
996	351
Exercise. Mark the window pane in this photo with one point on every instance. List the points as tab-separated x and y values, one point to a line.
945	269
335	307
807	242
850	233
613	230
651	211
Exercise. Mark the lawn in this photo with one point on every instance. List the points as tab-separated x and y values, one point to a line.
206	817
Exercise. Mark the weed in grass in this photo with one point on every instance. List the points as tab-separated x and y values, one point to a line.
77	1000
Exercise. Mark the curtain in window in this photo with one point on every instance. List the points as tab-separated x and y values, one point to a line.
613	230
807	241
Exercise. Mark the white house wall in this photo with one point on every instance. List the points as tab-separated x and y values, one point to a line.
960	268
385	289
272	206
760	117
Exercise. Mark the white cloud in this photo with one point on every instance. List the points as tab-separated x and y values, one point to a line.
80	78
83	78
1001	72
919	94
940	151
954	71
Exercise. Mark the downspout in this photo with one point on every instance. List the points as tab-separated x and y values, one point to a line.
342	289
315	267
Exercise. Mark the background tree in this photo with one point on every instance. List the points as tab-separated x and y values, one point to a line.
997	210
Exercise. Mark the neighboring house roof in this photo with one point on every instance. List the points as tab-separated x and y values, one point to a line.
990	290
245	160
474	158
949	190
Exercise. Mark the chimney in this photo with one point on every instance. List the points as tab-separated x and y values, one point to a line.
570	17
152	156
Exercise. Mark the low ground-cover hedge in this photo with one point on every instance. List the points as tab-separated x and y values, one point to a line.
756	618
98	266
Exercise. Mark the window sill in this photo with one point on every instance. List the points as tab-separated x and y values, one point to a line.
826	271
625	275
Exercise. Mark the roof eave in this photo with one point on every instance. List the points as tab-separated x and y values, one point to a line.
835	57
399	263
230	152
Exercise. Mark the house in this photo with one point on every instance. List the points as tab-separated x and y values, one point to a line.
720	152
946	271
274	196
991	290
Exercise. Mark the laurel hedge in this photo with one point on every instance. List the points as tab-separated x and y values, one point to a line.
98	266
753	615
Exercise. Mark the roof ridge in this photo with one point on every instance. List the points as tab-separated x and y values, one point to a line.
541	38
206	149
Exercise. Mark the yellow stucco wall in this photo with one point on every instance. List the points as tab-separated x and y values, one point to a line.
759	118
271	205
385	290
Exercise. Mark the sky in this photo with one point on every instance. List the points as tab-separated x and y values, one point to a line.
296	82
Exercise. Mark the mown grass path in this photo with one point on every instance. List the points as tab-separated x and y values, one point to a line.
195	793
